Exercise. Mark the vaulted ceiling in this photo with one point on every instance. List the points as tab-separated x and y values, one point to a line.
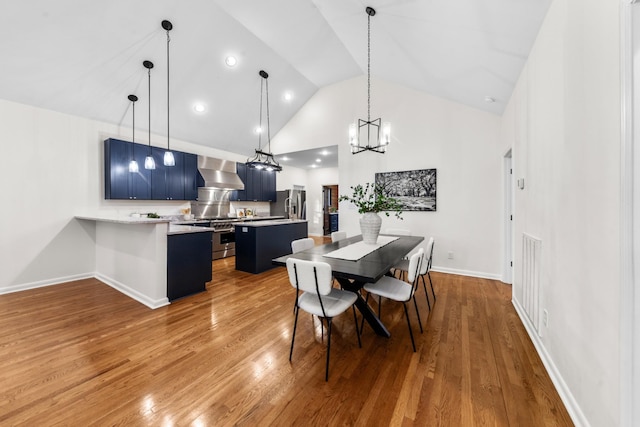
85	57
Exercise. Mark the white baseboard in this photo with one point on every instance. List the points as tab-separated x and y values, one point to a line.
576	414
469	273
43	283
132	293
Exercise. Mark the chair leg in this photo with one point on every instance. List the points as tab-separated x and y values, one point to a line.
426	294
293	336
355	319
406	313
417	312
326	372
432	291
379	306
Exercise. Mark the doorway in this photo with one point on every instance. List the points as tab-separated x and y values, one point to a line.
329	209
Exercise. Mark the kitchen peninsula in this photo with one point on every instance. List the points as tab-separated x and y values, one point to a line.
257	243
151	260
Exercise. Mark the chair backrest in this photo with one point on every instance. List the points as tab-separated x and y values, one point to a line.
428	253
398	231
414	265
310	276
302	244
336	236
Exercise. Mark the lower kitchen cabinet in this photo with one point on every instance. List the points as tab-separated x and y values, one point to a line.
188	264
257	244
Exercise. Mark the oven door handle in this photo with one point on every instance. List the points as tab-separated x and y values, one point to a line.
225	230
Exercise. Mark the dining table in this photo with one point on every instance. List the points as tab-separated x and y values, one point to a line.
353	274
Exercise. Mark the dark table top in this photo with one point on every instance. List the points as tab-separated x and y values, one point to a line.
368	269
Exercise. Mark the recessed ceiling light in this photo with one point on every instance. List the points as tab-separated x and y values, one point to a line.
284	158
258	129
288	96
199	107
313	165
325	153
231	61
318	160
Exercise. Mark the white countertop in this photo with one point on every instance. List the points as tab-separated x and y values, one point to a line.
123	219
173	228
186	229
269	223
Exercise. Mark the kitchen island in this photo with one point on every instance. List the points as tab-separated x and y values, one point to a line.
258	242
151	260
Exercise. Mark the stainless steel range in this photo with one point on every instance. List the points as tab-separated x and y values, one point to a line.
224	238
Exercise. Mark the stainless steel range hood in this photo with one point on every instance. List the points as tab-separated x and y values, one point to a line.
219	174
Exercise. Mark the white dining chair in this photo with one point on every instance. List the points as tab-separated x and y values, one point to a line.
403	267
314	279
399	290
302	244
336	236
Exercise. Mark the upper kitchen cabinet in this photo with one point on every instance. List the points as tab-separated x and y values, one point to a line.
119	183
179	182
192	178
259	185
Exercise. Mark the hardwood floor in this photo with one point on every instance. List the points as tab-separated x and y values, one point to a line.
82	353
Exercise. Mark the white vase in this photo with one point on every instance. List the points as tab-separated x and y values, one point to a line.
370	227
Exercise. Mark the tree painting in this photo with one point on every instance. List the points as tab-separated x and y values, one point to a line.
415	190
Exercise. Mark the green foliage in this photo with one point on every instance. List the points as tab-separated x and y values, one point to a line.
371	198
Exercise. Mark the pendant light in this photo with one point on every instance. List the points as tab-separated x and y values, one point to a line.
133	165
149	163
381	133
264	159
169	160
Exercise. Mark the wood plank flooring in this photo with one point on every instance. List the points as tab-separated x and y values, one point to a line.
82	353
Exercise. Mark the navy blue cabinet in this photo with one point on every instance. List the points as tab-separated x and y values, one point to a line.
240	195
269	186
189	259
333	222
179	182
119	182
191	176
167	181
259	185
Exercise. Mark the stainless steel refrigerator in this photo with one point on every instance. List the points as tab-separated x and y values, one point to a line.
291	204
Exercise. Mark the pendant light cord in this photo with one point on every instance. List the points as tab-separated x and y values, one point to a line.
133	130
266	82
368	67
149	74
260	121
168	40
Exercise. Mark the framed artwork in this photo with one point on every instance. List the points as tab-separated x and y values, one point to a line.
415	190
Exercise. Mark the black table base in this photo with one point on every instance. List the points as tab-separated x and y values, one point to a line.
364	308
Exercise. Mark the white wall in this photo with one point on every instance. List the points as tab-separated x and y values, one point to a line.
53	170
563	122
427	132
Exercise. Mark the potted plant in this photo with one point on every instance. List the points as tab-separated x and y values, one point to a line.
371	200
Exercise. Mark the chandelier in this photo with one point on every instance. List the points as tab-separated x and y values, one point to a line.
264	159
369	135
